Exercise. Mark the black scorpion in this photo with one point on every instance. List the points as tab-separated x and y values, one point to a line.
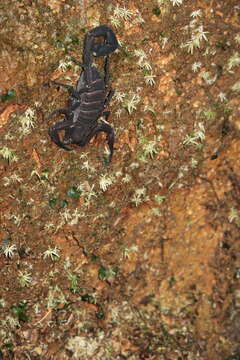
88	100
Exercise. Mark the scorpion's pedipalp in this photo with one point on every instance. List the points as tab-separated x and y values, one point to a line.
53	133
110	44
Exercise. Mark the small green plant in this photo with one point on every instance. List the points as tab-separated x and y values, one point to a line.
2	303
119	96
196	66
222	97
53	253
24	278
10	250
176	2
8	154
73	192
237	38
198	35
74	287
12	179
65	64
120	14
194	163
43	176
126	251
142	59
105	181
149	148
162	2
159	198
209	114
12	322
208	78
139	196
52	202
10	94
105	273
196	14
197	137
236	86
27	121
84	348
233	216
164	40
19	311
70	218
150	108
149	79
90	299
131	102
56	297
126	179
156	211
100	313
119	113
87	191
233	61
17	219
88	167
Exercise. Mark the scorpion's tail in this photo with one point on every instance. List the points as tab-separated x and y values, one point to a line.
92	47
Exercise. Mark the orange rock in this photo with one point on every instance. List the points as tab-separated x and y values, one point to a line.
8	111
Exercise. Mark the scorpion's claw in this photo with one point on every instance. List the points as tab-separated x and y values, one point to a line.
53	133
110	41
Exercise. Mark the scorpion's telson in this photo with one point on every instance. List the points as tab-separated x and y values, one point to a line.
89	99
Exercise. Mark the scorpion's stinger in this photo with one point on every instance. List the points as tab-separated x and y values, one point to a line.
110	44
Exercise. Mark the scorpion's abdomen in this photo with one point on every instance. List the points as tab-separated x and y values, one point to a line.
92	101
89	114
92	105
93	96
89	106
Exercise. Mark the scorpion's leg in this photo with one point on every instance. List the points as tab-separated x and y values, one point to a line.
109	97
106	114
71	89
58	111
106	70
104	127
111	43
53	133
106	80
101	127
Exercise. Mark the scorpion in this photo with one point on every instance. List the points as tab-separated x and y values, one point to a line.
88	100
